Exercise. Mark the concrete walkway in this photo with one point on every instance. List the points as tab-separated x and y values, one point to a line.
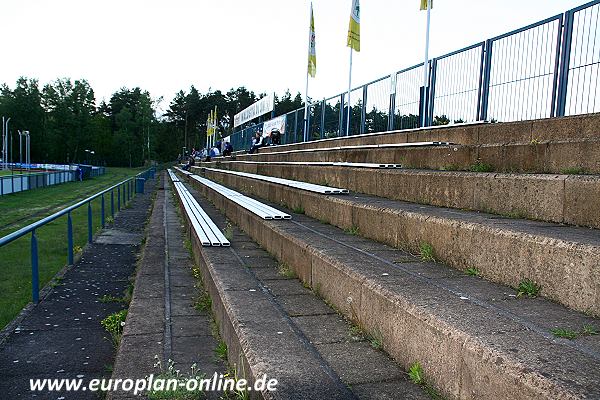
162	320
62	336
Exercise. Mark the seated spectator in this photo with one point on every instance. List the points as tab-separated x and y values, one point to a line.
275	137
191	162
257	142
227	149
214	152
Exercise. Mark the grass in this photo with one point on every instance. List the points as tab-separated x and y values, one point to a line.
221	350
416	376
528	288
298	210
172	374
228	233
286	271
426	252
573	171
472	271
204	302
21	209
481	167
564	333
353	230
113	324
589	330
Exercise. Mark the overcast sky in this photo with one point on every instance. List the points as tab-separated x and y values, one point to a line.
164	46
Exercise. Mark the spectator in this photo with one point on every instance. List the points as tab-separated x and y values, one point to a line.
214	152
275	137
191	162
257	142
227	149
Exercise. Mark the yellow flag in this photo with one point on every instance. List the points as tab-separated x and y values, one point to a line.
354	27
312	50
424	4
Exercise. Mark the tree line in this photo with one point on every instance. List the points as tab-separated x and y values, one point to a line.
64	120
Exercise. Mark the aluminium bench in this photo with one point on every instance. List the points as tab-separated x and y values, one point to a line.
208	233
254	206
311	187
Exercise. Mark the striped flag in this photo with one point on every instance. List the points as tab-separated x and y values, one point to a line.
354	26
424	4
312	49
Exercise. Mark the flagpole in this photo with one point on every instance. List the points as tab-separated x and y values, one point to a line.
349	88
307	75
426	64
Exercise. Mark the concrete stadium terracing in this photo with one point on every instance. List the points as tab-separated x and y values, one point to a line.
284	294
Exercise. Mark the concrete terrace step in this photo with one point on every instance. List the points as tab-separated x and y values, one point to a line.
273	325
474	338
568	199
533	157
562	260
575	128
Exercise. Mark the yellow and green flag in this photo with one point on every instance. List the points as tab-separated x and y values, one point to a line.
424	4
354	27
312	49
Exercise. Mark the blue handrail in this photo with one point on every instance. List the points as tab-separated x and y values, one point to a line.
125	190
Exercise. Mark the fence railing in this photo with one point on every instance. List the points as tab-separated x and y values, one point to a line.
20	182
125	190
547	69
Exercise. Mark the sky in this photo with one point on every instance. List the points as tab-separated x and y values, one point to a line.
166	46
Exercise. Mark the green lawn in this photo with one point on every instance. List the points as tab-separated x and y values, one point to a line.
21	209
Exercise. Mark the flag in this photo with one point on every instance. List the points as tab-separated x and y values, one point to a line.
312	50
354	27
424	4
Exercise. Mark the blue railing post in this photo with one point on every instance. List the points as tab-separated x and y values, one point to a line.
363	110
342	110
35	275
485	86
119	198
102	211
431	101
112	204
563	78
89	222
69	239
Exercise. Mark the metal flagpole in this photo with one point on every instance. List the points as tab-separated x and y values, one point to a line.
426	64
349	87
307	75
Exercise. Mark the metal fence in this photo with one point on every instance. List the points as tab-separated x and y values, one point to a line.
15	183
116	195
547	69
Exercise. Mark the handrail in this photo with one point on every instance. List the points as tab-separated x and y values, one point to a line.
126	193
27	229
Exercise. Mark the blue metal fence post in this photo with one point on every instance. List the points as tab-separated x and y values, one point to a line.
563	78
119	198
485	86
322	135
89	222
69	239
363	110
35	275
102	219
431	101
112	204
341	121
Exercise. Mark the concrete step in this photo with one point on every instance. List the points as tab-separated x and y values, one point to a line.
273	325
564	156
474	338
562	260
575	128
567	199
